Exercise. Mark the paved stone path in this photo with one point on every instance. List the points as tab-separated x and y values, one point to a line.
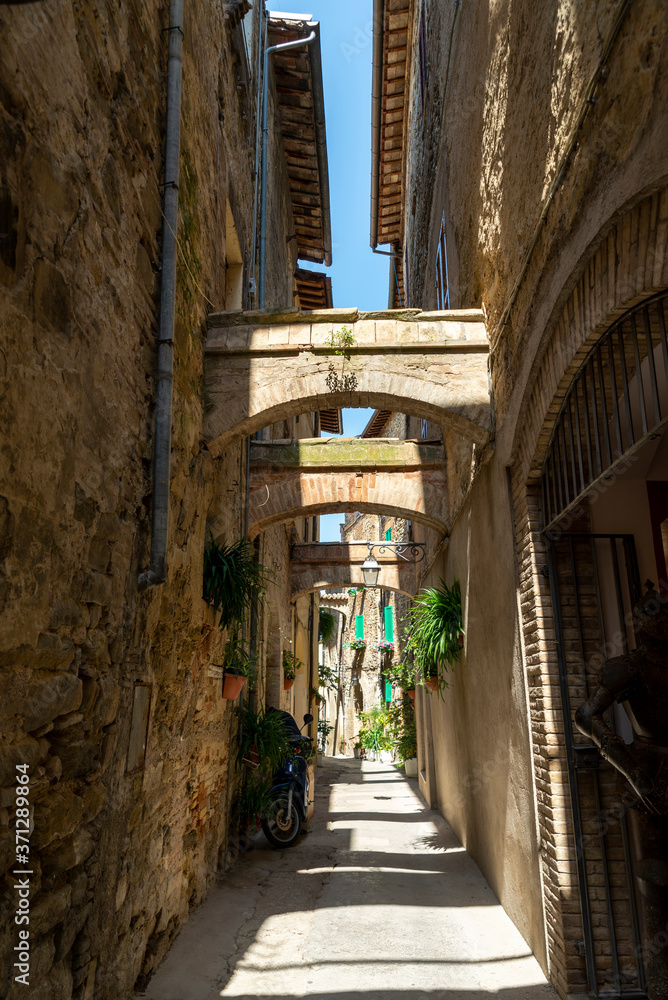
379	901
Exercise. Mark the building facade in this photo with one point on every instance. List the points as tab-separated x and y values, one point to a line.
530	182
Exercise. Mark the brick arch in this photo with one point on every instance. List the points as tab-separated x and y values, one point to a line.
319	565
284	496
428	366
628	265
338	580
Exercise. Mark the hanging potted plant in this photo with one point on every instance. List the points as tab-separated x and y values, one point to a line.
233	580
291	664
436	627
403	675
317	697
326	626
238	665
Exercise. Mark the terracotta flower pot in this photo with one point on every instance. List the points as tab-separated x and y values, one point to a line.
287	683
411	693
232	685
460	639
431	683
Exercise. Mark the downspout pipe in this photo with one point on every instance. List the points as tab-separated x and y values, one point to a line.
162	447
321	145
282	47
262	41
376	108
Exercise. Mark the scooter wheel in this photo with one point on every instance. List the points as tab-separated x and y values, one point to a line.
280	827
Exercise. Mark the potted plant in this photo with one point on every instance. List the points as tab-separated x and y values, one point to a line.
342	745
326	626
238	665
233	579
436	627
291	664
263	738
324	729
403	675
317	697
357	749
404	736
357	644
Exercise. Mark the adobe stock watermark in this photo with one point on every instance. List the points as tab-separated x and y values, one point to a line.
360	40
23	872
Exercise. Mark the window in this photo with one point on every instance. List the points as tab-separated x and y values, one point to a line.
389	623
359	626
442	285
388	535
422	46
424	429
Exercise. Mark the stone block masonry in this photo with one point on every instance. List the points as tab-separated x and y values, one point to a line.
120	858
263	367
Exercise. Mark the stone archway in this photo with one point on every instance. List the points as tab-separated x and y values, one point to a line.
626	267
406	479
262	367
319	565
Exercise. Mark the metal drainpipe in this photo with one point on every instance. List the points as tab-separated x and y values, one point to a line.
261	42
297	43
162	447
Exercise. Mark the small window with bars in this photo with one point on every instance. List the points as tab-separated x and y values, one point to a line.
442	284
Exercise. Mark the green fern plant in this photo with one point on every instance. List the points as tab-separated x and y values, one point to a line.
326	626
436	627
233	579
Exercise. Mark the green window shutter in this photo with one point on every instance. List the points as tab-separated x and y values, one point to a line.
388	691
359	626
389	624
388	535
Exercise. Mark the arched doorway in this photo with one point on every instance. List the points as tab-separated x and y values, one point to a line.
591	478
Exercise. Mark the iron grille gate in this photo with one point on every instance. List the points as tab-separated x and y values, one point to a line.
616	402
589	631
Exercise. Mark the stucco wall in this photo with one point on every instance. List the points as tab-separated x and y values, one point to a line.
479	772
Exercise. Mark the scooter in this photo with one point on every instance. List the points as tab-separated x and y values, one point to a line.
289	793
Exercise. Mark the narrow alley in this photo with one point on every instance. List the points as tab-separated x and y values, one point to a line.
378	900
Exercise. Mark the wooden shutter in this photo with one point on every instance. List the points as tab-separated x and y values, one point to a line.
359	626
389	623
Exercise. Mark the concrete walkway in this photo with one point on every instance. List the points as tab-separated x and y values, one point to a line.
379	901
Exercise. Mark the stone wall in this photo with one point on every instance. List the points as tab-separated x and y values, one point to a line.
119	858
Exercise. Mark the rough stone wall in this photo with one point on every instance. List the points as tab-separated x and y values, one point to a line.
489	143
118	858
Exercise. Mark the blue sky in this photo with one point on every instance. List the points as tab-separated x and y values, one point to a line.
359	277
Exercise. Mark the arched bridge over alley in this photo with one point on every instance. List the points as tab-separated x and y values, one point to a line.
265	366
319	565
292	479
